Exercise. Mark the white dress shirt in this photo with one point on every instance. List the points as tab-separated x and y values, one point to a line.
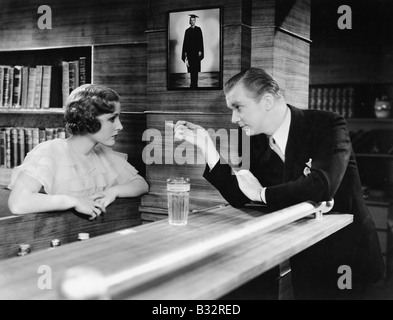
281	138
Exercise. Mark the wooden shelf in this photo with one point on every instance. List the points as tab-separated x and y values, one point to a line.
374	155
375	120
32	111
383	202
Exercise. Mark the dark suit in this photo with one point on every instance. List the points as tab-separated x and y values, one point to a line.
192	45
324	138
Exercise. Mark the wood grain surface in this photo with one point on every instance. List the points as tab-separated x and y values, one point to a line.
146	262
38	229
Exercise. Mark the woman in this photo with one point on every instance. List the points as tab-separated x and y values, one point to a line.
81	172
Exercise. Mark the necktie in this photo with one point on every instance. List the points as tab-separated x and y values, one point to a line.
276	148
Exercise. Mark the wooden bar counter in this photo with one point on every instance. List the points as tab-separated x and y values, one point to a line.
217	251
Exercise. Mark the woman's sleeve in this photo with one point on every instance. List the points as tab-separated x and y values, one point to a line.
127	172
118	169
37	165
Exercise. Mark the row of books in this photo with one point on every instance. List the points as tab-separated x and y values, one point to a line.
28	87
15	143
73	76
334	99
25	87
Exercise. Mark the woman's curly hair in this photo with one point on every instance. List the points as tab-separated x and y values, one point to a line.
85	104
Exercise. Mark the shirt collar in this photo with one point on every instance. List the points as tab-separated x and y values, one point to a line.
281	134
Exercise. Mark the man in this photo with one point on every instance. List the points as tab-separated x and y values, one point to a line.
192	52
296	155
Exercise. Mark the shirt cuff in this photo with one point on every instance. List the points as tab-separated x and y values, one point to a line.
212	158
263	195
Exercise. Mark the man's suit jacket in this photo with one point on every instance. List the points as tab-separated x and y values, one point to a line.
322	137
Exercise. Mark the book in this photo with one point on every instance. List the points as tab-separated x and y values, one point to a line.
3	155
49	133
17	87
55	133
8	147
73	75
61	133
6	86
31	88
38	86
41	135
46	86
21	145
82	70
35	137
11	86
1	85
28	139
14	147
65	85
25	86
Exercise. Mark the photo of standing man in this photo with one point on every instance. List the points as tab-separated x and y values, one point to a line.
193	52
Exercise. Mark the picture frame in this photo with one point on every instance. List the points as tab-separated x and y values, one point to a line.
194	59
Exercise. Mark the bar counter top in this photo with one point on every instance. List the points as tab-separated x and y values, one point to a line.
217	251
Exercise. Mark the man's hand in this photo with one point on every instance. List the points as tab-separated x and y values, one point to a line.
197	136
249	185
192	133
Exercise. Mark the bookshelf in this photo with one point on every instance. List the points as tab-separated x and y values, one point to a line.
37	63
372	142
32	111
34	85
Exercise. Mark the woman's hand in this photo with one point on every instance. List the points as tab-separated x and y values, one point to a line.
107	197
90	206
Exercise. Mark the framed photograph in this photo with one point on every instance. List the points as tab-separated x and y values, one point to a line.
194	49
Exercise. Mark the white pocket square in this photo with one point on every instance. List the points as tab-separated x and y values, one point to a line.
307	169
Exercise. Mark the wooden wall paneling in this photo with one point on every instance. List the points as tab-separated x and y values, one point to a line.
157	20
263	13
31	120
73	23
129	140
247	6
123	68
233	49
156	63
246	47
38	229
291	68
202	193
294	16
262	53
283	53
